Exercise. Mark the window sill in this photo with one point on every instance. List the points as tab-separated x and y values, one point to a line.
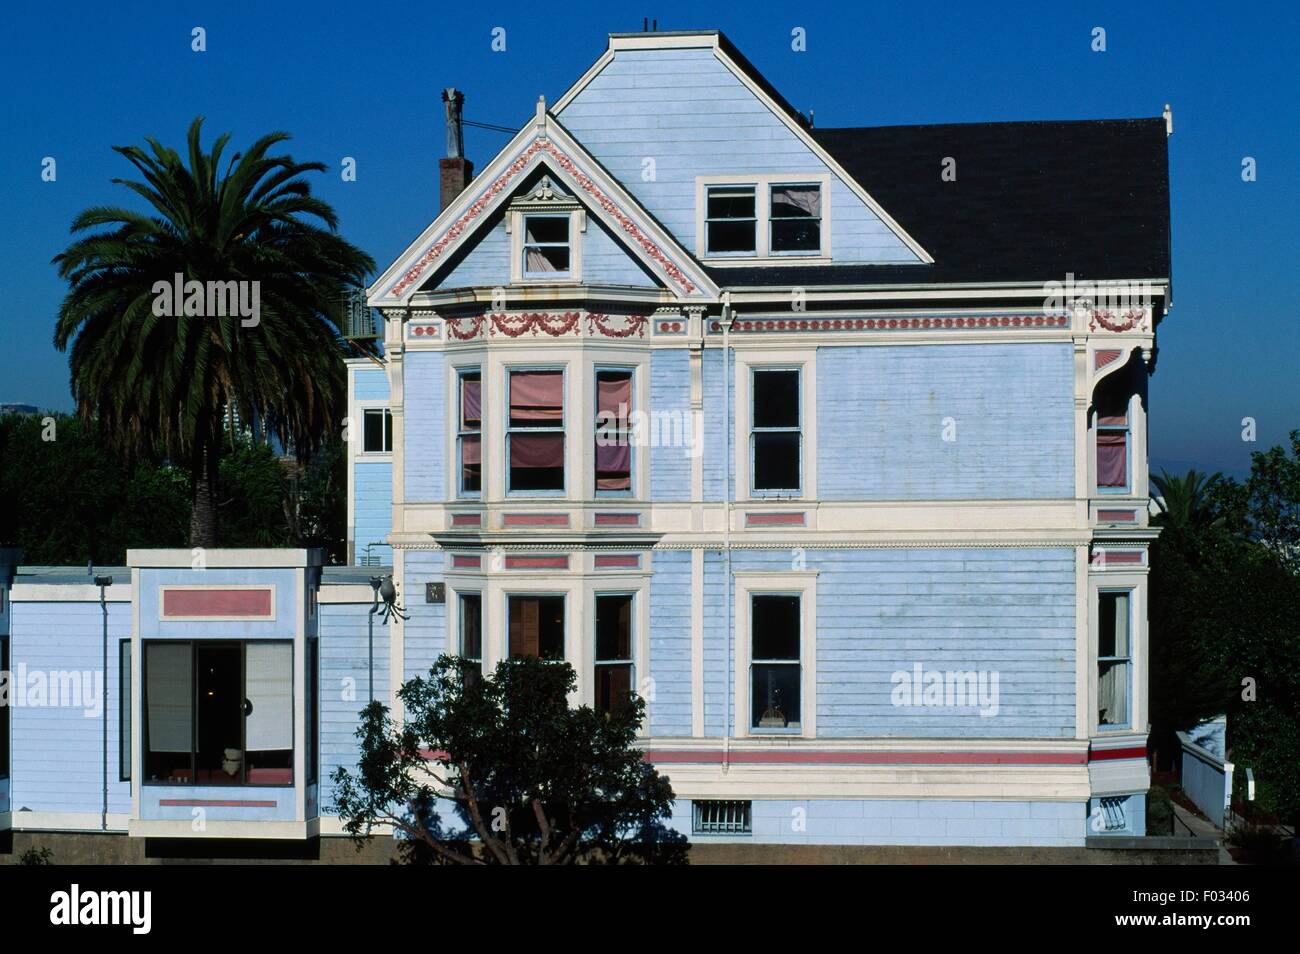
779	258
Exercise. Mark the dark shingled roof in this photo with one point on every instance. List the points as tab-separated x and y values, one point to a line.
1031	202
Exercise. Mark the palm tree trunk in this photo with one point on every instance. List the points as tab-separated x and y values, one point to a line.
203	506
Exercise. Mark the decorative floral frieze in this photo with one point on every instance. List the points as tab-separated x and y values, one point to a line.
546	323
1135	319
937	323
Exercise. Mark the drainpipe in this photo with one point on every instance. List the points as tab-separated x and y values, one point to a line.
375	583
727	318
104	582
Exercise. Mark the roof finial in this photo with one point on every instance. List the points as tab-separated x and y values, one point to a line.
1169	120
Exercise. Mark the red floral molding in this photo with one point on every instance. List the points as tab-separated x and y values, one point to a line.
1105	319
555	325
895	324
502	182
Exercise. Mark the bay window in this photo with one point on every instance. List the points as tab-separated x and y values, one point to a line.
775	431
776	672
535	431
1114	658
218	713
613	657
536	626
1113	434
469	432
471	631
613	431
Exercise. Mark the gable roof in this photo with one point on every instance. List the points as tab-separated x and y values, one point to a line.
541	143
1031	202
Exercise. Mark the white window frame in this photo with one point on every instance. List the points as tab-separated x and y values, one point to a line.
1135	585
633	622
800	583
633	370
562	430
389	431
517	227
459	372
746	362
762	185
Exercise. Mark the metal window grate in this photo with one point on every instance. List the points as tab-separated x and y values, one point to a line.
721	818
1112	813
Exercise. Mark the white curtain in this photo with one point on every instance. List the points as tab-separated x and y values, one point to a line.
268	683
169	696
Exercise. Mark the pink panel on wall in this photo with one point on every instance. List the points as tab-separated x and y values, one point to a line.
1103	358
216	602
537	562
605	560
536	520
466	520
618	520
774	519
1117	516
466	562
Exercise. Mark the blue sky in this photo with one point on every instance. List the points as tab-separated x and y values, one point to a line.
362	80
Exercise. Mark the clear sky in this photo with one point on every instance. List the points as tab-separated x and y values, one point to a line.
362	80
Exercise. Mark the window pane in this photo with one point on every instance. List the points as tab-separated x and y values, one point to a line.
731	236
614	395
796	235
471	468
776	460
471	402
123	709
537	626
774	621
375	431
731	203
168	714
549	229
536	398
774	695
796	202
776	398
4	709
471	626
613	687
613	627
1112	624
268	704
313	712
1112	693
1112	458
536	461
547	258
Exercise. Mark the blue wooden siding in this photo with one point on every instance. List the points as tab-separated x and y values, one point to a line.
670	643
715	645
425	393
904	822
881	413
670	401
606	262
715	388
993	610
370	383
344	681
57	751
372	488
692	116
486	264
426	630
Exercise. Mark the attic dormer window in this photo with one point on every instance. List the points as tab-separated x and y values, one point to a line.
796	219
546	246
731	221
768	217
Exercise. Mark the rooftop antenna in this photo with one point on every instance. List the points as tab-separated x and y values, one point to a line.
1169	120
810	119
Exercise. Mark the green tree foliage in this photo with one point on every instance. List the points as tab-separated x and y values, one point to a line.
171	381
523	777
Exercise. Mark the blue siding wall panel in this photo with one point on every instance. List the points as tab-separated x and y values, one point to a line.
715	645
373	508
670	401
670	644
344	686
426	630
715	388
57	746
685	110
881	417
425	394
486	264
370	383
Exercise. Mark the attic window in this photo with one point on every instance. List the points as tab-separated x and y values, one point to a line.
546	245
731	220
796	219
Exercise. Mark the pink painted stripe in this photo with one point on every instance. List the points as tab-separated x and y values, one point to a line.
466	520
469	562
617	559
618	520
537	562
774	519
215	803
1122	556
536	520
1127	516
216	602
872	758
1105	755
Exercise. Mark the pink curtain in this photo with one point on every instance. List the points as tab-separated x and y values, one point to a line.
471	403
471	451
613	394
1112	459
537	396
613	466
536	450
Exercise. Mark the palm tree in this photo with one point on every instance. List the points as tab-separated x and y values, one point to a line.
158	380
1186	502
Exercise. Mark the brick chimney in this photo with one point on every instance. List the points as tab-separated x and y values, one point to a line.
454	171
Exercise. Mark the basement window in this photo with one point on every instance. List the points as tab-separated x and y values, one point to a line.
546	246
722	818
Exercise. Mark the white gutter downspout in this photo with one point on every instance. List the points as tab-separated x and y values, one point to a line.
727	318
